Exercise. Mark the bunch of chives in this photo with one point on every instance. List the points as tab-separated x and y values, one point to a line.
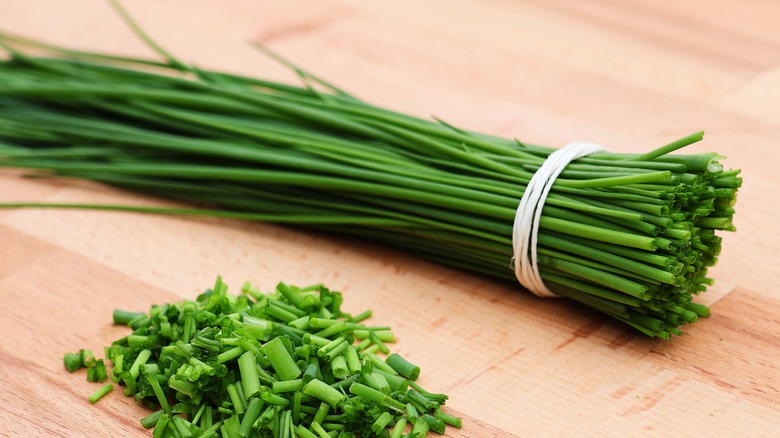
631	235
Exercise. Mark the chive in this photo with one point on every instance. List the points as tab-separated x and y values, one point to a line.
158	392
274	399
87	358
403	367
365	343
311	371
380	364
375	396
398	429
182	426
296	409
412	413
304	432
198	415
231	426
251	414
97	395
100	371
124	317
323	392
339	367
381	422
360	316
321	412
383	335
395	382
353	361
249	380
378	381
287	386
373	349
281	360
321	432
448	419
292	296
161	426
229	355
72	361
378	342
420	400
438	398
211	431
420	429
235	398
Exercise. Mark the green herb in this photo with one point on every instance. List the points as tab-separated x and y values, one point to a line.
403	367
73	361
631	235
244	371
105	389
97	372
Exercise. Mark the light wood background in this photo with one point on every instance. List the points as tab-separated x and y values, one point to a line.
631	75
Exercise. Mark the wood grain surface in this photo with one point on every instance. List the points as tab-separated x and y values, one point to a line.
631	75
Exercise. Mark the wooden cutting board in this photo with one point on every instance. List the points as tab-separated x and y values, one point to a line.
631	75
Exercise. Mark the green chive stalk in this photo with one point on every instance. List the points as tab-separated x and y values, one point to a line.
631	235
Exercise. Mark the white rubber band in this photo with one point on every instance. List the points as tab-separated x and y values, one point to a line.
529	212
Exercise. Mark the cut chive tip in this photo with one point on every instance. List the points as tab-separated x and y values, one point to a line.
100	393
402	366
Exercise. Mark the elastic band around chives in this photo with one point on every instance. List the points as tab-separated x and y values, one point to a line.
529	212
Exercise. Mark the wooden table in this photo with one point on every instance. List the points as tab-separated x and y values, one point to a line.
631	75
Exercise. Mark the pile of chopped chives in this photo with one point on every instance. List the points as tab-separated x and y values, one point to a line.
631	235
285	364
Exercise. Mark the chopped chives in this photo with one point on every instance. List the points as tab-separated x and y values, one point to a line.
141	359
226	381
